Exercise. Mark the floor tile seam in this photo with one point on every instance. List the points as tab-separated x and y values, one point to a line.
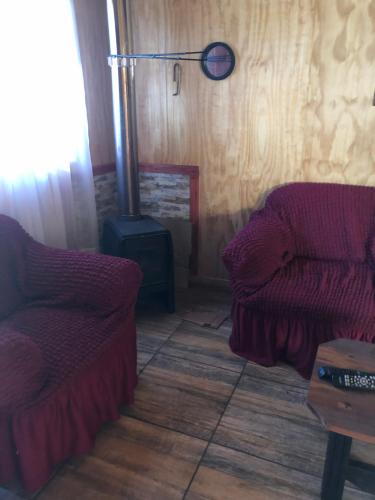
60	467
260	377
275	462
213	434
165	427
210	396
158	349
258	457
299	421
208	442
202	363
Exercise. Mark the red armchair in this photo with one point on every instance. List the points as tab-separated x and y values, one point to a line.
67	351
302	273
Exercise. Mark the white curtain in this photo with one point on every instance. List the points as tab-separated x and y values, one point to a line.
46	180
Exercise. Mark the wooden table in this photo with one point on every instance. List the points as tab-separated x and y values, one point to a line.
345	414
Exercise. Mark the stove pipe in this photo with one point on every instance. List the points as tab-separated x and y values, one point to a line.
124	112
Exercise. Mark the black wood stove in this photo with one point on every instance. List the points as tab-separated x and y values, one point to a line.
149	243
131	235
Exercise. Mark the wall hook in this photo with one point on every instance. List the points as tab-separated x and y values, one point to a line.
177	77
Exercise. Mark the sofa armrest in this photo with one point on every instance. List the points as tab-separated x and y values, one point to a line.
22	369
259	250
74	278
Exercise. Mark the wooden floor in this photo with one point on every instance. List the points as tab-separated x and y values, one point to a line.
205	424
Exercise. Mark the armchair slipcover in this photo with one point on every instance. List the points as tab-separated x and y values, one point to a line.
302	273
67	351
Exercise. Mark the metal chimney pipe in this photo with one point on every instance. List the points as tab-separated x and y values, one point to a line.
124	112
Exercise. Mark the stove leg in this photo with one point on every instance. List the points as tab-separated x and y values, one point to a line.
170	295
171	302
337	456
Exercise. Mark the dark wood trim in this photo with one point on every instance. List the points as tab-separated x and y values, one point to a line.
166	168
193	172
194	219
103	169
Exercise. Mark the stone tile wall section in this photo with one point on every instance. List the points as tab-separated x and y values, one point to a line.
105	197
162	195
165	195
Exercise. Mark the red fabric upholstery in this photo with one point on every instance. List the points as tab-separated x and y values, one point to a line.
22	370
261	249
332	290
325	287
77	310
329	221
371	251
105	283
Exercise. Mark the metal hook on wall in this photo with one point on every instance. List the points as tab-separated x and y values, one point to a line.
177	77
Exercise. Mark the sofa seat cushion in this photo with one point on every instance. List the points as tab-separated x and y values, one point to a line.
70	339
322	290
22	370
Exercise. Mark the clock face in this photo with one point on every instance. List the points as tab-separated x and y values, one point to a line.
218	61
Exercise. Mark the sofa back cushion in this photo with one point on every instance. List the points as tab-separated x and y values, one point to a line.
22	370
329	221
12	239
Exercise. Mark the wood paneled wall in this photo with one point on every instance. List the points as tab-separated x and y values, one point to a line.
339	141
297	107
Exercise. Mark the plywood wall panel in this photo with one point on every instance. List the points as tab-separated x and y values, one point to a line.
297	107
340	122
246	133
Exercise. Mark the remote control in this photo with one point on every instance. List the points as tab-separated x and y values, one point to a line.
357	381
348	379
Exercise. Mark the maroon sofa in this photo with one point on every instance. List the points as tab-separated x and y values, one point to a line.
67	351
302	273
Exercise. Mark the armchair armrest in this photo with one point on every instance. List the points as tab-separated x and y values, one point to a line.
22	369
68	277
259	250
